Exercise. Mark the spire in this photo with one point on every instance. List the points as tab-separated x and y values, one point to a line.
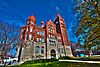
57	9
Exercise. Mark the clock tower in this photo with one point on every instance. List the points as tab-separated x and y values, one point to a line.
61	29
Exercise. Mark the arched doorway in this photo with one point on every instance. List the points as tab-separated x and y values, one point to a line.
53	53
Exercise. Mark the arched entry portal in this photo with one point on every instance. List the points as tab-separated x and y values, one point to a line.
53	53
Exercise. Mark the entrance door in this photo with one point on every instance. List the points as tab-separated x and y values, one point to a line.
53	53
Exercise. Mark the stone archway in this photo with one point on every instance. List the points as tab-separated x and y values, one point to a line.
53	53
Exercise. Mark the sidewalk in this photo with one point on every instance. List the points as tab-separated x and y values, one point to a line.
81	61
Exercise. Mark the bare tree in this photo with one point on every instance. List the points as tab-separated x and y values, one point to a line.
8	38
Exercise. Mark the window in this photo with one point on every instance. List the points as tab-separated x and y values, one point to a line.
52	43
42	50
27	22
49	35
30	37
42	40
38	33
59	37
61	21
30	29
59	50
27	37
37	49
27	29
49	41
62	51
42	33
49	31
37	39
53	36
53	31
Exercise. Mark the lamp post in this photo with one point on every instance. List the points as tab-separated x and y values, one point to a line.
20	50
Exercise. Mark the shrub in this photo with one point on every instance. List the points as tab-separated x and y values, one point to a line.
40	61
59	64
65	57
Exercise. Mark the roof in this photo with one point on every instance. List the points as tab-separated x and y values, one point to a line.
31	18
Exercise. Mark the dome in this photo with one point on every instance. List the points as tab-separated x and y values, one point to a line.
31	18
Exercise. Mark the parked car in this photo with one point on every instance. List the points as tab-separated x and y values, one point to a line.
10	61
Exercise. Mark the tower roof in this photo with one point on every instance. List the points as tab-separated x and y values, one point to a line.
58	15
31	18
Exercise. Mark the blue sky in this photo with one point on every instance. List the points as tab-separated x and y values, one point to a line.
17	11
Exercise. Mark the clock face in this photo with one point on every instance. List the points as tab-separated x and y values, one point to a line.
57	22
50	27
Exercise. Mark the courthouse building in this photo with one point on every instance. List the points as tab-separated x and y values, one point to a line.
44	41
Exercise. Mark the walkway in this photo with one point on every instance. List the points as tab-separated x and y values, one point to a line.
81	61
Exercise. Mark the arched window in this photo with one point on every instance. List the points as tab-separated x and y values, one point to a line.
30	36
59	50
53	53
30	29
42	40
37	49
42	50
62	51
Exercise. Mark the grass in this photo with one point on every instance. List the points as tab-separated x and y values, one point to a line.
58	64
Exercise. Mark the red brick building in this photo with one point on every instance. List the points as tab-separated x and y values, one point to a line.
45	41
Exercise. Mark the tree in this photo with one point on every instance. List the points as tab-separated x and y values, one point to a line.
8	38
87	31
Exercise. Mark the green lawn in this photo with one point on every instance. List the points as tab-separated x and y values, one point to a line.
58	64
